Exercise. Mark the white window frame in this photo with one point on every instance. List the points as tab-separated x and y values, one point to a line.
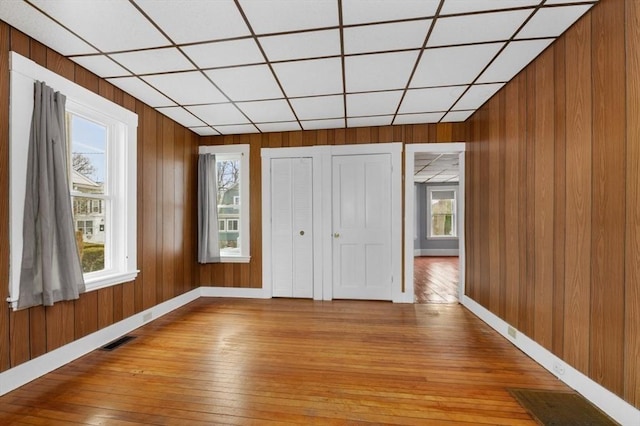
24	73
430	190
244	226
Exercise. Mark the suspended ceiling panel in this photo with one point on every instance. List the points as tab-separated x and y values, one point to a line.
249	66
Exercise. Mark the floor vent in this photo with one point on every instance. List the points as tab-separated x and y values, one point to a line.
117	343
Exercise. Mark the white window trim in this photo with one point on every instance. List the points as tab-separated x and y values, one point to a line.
430	189
24	73
244	225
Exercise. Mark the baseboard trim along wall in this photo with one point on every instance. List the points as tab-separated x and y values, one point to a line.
617	408
436	252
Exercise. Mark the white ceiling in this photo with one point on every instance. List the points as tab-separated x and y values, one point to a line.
436	167
248	66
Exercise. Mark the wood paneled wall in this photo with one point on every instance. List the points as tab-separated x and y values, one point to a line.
553	199
166	217
250	274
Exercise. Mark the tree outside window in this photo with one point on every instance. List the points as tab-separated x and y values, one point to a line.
442	212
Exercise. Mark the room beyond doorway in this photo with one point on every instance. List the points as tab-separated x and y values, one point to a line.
435	279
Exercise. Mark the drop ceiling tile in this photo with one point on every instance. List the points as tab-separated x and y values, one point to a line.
430	117
219	114
512	59
267	111
384	120
358	11
154	61
378	103
182	116
225	53
477	28
457	6
186	88
313	44
271	17
237	129
381	37
383	71
187	21
552	21
285	126
101	65
28	20
453	65
246	83
548	2
322	124
318	107
310	77
204	131
477	95
109	25
141	90
455	116
430	100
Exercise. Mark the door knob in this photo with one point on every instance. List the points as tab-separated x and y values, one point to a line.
336	235
301	232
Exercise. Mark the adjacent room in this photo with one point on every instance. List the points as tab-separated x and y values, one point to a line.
320	212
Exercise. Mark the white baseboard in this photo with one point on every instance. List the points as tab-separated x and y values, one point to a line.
617	408
24	373
251	293
436	252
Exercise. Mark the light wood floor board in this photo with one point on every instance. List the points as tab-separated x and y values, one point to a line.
227	361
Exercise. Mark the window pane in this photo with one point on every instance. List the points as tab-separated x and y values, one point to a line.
90	234
443	207
229	199
88	142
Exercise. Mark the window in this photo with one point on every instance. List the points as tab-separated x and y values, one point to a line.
232	171
102	140
441	216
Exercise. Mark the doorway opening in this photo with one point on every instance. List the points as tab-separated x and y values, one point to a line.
434	222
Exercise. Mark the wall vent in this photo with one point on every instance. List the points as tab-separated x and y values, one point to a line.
117	343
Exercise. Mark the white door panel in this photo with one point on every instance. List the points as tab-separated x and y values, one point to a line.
361	187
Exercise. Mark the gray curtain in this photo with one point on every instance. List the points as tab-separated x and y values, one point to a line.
208	239
50	269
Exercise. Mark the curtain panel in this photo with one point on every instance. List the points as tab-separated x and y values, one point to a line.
50	269
208	237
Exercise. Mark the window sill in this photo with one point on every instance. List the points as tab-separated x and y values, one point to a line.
235	259
107	280
443	238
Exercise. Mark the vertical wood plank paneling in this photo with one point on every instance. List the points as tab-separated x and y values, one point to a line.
142	206
128	299
20	43
118	302
559	203
86	314
19	337
157	287
87	79
37	331
150	199
4	193
494	211
484	287
544	148
523	180
478	206
608	213
578	196
179	211
38	52
632	254
512	198
60	65
255	173
168	209
470	201
60	324
105	307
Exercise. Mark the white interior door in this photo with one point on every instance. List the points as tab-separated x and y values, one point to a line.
292	227
361	222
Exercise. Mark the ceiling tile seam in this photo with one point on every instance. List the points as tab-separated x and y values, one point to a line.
342	64
415	65
513	37
268	63
429	163
197	68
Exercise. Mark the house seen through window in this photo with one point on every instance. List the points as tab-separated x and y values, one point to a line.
89	190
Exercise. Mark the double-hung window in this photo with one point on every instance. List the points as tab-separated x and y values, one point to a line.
442	212
232	182
101	139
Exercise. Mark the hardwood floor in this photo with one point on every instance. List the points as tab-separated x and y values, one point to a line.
242	361
435	279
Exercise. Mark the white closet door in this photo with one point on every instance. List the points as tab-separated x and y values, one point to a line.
292	227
